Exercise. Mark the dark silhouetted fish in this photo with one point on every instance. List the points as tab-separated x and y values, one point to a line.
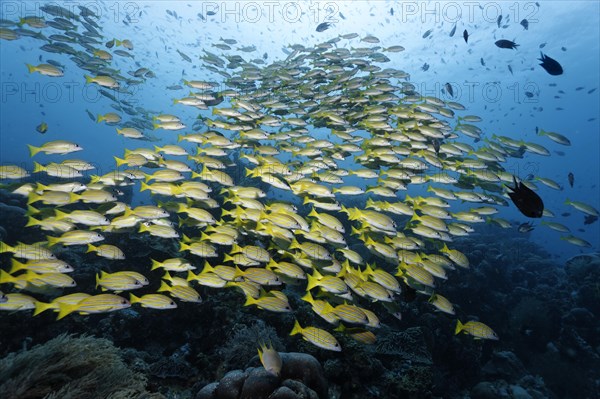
453	31
391	11
550	65
482	61
571	177
466	36
426	34
449	89
526	200
425	67
525	24
323	26
589	219
526	227
542	45
529	94
499	20
503	43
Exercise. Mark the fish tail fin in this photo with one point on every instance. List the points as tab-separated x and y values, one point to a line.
65	310
31	68
88	79
250	301
33	150
52	241
297	328
5	277
41	307
133	299
459	327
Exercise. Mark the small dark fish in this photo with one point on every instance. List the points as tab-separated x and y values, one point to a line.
579	88
42	128
510	69
592	90
184	56
426	34
571	177
323	26
526	227
589	219
499	20
482	61
449	89
563	48
391	11
466	36
550	65
425	67
211	13
342	16
542	45
525	24
503	43
92	117
565	214
526	200
110	44
560	153
453	31
529	94
265	56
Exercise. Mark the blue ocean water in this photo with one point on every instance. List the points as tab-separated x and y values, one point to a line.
559	103
513	102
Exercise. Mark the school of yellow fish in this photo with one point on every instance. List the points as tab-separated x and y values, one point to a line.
316	128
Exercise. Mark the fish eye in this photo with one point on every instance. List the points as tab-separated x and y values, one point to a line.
123	302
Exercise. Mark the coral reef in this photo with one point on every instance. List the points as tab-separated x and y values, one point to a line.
67	367
301	378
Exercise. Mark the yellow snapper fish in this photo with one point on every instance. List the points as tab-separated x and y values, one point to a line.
476	329
59	147
154	301
101	303
317	337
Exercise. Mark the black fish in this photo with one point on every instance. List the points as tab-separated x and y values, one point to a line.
425	67
426	34
466	36
503	43
211	13
391	11
542	45
449	89
563	48
342	16
482	62
510	69
525	24
571	177
550	65
526	200
525	227
110	44
323	26
589	219
529	94
453	31
499	20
